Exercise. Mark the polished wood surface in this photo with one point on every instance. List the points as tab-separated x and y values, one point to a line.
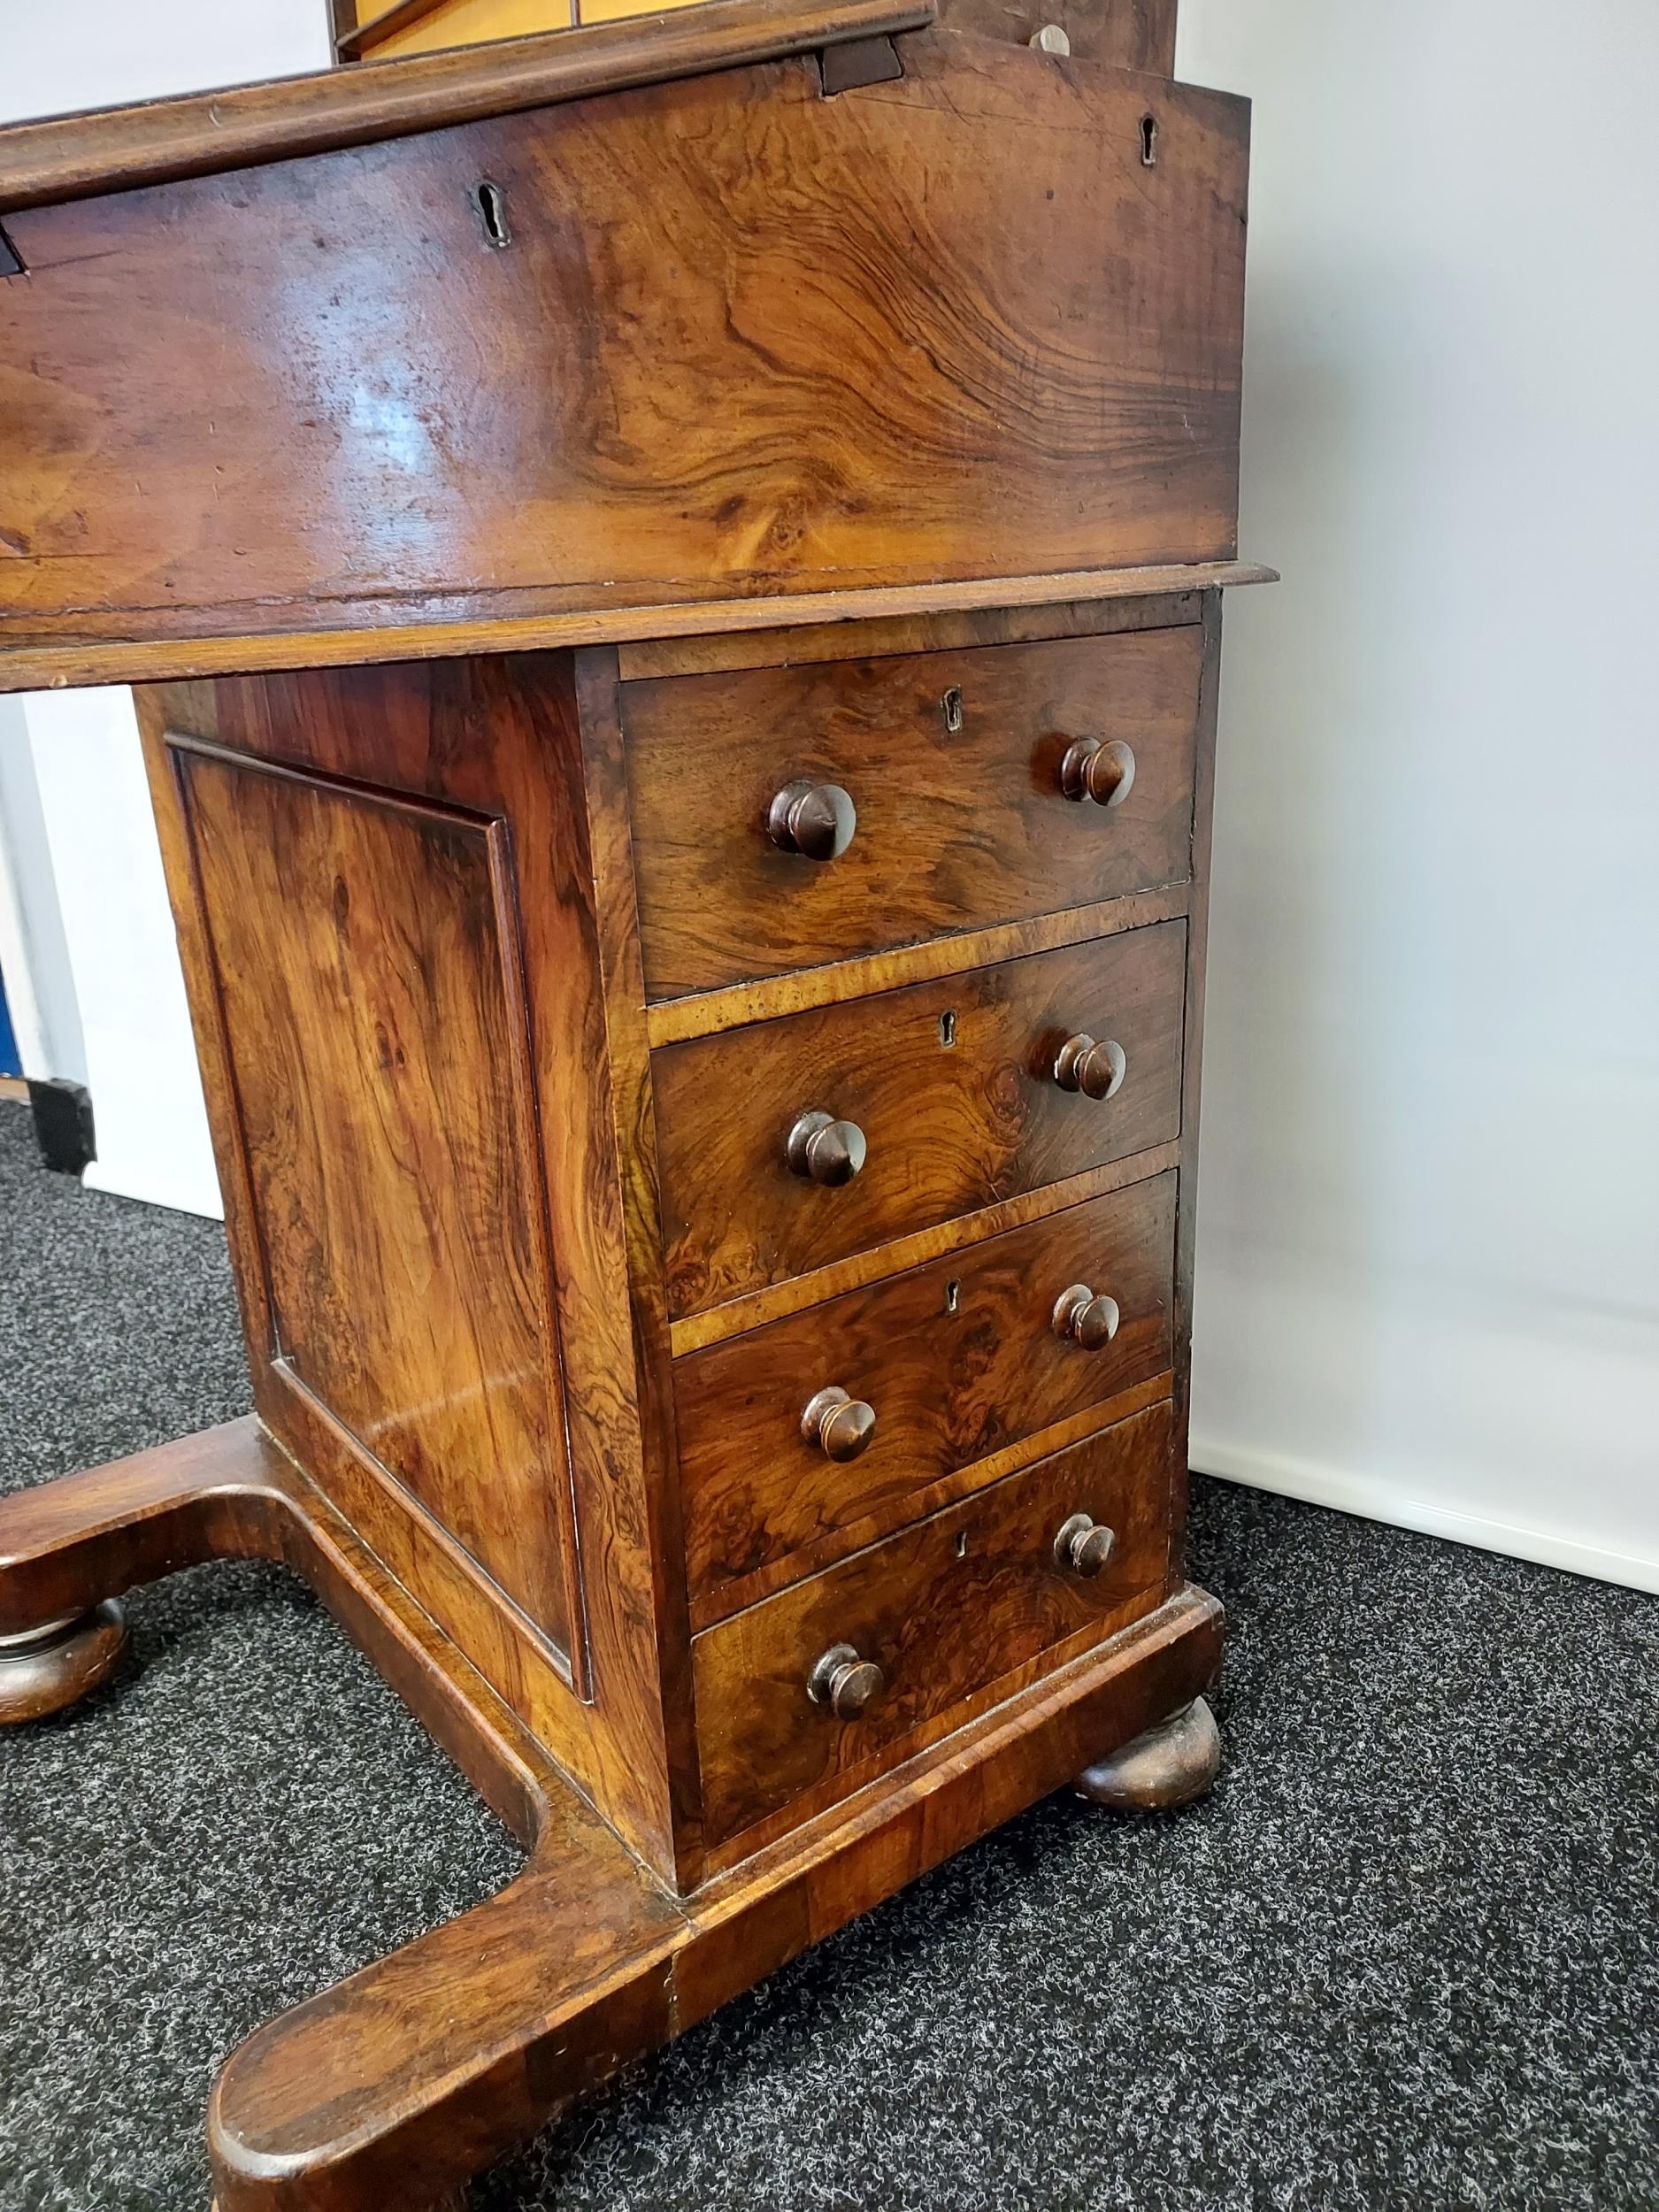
942	1609
951	815
715	1324
46	1668
688	827
370	972
498	741
206	134
1168	1766
402	2081
103	649
939	626
950	1126
957	1361
1193	1046
707	1013
719	1600
1077	320
1127	33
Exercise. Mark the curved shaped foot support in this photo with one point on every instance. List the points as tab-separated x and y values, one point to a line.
1169	1765
45	1669
398	2086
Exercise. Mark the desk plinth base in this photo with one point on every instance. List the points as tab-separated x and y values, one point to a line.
406	2079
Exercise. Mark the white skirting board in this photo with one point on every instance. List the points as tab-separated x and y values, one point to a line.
1370	1498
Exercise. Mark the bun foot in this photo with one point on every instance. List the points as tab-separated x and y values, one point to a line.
46	1668
1170	1765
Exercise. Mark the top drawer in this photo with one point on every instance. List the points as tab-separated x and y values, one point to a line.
954	765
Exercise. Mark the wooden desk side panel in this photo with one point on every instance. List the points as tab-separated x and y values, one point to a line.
743	339
480	759
367	966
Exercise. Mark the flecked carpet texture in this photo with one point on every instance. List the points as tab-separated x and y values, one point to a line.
1405	1956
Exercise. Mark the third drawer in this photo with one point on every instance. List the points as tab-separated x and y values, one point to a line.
811	1434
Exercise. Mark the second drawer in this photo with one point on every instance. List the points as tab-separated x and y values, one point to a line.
938	1368
794	1142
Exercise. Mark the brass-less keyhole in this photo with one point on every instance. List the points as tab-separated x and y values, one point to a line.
952	1295
948	1029
950	707
1148	142
492	211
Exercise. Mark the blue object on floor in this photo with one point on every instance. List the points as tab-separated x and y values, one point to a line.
10	1063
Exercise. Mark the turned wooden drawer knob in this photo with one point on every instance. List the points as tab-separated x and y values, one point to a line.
1082	1545
845	1683
825	1151
1083	1318
837	1423
1096	1070
814	820
1103	771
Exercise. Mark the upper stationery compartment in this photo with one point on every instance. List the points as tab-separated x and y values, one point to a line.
695	341
788	816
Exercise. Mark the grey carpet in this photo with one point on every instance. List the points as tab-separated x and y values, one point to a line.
1405	1956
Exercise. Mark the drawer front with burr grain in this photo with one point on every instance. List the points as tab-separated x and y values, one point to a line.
790	1143
816	1431
804	1691
787	818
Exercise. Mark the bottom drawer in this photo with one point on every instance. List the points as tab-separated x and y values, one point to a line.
787	1695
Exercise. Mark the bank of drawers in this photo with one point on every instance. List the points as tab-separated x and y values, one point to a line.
905	1495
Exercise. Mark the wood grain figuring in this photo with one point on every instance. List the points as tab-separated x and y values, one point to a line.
715	1323
1124	34
380	1065
958	1359
628	1054
119	149
961	821
1069	322
676	567
950	1128
102	649
710	1012
943	1609
952	629
720	1600
498	739
817	1874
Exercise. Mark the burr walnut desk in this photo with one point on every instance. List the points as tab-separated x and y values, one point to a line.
672	572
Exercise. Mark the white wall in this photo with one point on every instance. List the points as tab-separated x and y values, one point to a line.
33	949
99	53
1429	1220
85	935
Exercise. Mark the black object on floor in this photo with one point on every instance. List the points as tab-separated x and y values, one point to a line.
64	1127
1405	1957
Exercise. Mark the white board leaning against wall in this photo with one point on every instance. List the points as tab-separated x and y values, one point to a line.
84	927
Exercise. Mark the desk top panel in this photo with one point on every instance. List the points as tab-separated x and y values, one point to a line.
691	344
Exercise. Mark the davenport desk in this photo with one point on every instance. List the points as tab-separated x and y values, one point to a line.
672	571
